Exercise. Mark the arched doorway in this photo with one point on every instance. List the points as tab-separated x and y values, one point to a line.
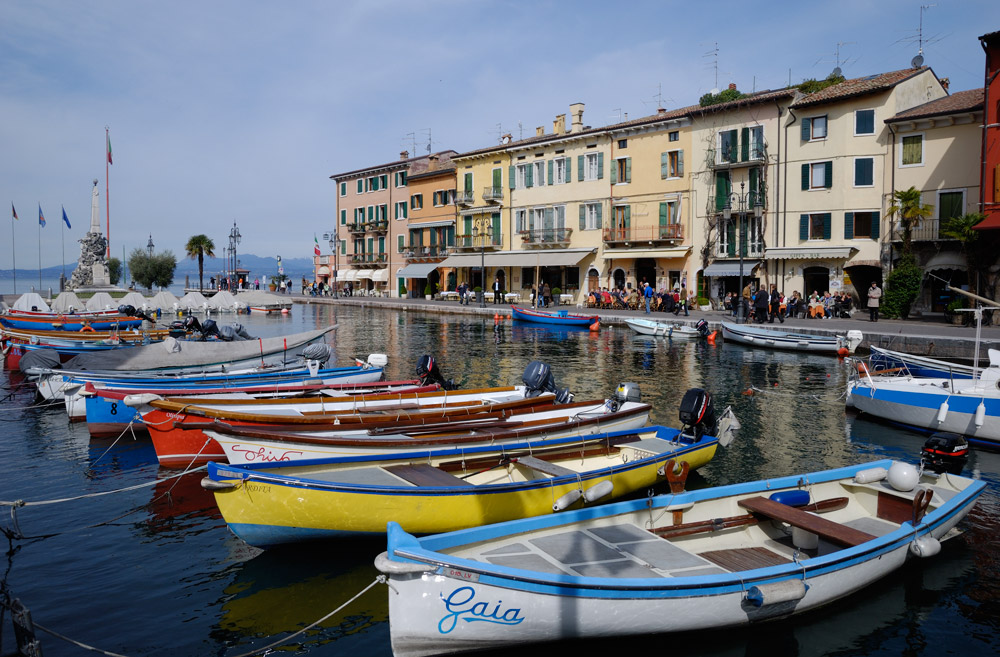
816	279
593	280
860	279
618	278
645	270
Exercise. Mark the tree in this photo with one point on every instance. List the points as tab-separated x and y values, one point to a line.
148	271
901	287
198	247
906	205
114	270
962	229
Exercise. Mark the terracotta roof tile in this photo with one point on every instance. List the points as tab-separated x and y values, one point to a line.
960	101
398	164
858	87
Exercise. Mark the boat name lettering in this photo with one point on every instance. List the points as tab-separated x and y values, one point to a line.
264	455
461	604
461	574
258	488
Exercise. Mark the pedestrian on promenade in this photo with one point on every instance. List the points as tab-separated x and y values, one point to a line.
648	294
874	294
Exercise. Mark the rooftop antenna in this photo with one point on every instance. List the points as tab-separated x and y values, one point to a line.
920	39
658	98
838	62
619	110
429	141
412	136
520	131
714	54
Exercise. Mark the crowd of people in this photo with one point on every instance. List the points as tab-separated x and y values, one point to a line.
766	305
676	301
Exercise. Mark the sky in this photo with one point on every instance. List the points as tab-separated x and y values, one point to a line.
240	111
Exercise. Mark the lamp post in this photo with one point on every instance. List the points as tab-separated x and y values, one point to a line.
234	239
480	232
332	238
149	255
743	202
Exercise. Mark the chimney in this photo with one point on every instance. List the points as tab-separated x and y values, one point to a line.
559	125
576	111
945	82
432	162
404	155
732	86
540	131
661	110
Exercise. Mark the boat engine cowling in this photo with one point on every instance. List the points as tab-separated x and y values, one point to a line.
945	452
429	374
697	413
702	327
319	352
538	379
208	329
625	392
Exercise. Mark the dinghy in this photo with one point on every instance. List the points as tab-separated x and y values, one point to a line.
756	336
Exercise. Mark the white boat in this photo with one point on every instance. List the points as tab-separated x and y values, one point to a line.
886	359
970	407
672	330
757	336
702	560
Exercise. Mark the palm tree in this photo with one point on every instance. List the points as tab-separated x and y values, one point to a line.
962	229
198	247
907	205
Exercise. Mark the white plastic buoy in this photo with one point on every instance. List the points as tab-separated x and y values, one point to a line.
804	540
870	475
567	499
903	476
378	360
942	412
769	594
980	415
598	491
925	546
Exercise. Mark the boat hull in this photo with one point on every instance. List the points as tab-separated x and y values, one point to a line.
560	318
771	339
664	329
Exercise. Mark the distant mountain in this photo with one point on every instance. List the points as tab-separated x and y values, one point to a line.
258	266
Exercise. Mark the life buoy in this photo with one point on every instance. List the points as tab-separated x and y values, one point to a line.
87	328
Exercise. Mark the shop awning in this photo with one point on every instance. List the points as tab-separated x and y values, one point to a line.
730	268
342	274
323	271
349	275
809	253
380	275
946	260
365	273
991	222
560	258
431	224
418	270
675	252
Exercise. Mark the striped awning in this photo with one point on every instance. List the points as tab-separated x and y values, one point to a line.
729	268
349	275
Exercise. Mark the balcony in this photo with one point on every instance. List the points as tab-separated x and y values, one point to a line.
368	258
493	194
731	158
425	253
546	237
927	230
469	243
726	250
377	226
644	234
465	197
358	227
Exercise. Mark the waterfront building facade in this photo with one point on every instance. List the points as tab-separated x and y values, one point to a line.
426	226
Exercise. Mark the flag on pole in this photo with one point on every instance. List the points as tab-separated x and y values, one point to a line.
109	150
41	217
316	250
65	218
13	211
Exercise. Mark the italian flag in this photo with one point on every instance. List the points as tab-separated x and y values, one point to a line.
109	150
316	250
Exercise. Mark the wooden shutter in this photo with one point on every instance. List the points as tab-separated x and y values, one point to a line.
497	180
579	168
569	169
552	164
512	176
468	182
628	216
805	177
663	214
343	217
600	167
664	165
804	227
848	225
614	172
529	176
745	144
806	129
600	212
828	174
754	186
876	223
548	219
680	163
731	238
583	216
628	169
361	185
827	225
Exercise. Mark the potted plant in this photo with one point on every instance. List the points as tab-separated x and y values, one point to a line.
479	293
952	308
704	304
428	291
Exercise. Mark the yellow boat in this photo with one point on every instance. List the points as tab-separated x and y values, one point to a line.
440	491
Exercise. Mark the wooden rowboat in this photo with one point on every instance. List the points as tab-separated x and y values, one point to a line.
690	562
756	336
672	330
558	318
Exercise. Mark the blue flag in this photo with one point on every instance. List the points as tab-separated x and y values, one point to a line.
41	217
65	218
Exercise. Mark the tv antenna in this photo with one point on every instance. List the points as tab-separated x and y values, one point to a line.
920	39
714	64
838	62
658	98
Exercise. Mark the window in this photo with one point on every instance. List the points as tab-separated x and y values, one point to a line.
674	135
814	128
861	225
621	172
912	152
815	226
381	212
950	204
559	171
591	166
623	143
753	143
439	198
400	179
417	202
864	172
539	172
520	220
536	219
383	181
728	147
401	210
523	176
343	189
400	243
817	175
672	164
590	216
343	217
864	122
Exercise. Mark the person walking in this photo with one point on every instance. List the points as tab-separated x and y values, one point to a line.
775	299
647	292
874	294
761	305
496	291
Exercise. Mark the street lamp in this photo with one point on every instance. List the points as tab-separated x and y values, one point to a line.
332	239
481	232
743	203
234	239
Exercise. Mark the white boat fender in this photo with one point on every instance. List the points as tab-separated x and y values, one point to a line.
210	484
598	491
313	366
378	360
925	546
769	594
141	399
871	475
392	567
903	476
942	412
567	500
980	414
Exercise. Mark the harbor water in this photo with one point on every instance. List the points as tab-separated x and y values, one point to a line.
116	553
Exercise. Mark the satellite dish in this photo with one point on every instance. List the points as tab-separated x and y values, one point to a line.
917	61
837	72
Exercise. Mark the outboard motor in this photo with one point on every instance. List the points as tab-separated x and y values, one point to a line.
625	392
429	374
945	452
241	331
318	352
208	329
697	413
538	378
177	329
702	327
128	311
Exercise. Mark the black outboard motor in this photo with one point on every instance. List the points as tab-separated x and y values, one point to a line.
702	327
429	374
177	329
697	413
945	452
208	329
538	378
625	392
132	311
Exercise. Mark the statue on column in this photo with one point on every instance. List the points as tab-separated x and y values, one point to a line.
92	267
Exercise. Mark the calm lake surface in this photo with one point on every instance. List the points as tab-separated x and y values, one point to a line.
152	570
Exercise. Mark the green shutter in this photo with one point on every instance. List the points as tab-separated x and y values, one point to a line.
600	166
848	225
371	213
754	186
614	172
343	217
529	176
497	179
628	216
512	176
680	163
806	129
361	184
663	214
468	228
828	174
579	168
876	223
583	217
745	144
827	225
804	227
805	177
664	165
496	229
548	219
569	170
551	166
600	212
468	182
731	238
628	169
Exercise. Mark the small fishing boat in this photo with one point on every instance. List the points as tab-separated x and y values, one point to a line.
882	360
696	561
757	336
68	322
16	343
558	318
672	330
446	490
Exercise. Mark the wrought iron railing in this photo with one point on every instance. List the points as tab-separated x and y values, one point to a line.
644	233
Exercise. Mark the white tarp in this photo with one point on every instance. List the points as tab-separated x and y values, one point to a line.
101	301
67	301
31	301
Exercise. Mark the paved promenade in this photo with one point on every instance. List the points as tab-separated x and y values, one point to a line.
931	336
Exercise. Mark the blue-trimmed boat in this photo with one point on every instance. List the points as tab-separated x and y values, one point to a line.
922	366
98	321
758	336
558	318
687	562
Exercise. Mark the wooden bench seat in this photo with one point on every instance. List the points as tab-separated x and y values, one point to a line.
544	466
827	529
421	474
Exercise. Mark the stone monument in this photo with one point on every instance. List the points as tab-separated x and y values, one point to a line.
91	273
